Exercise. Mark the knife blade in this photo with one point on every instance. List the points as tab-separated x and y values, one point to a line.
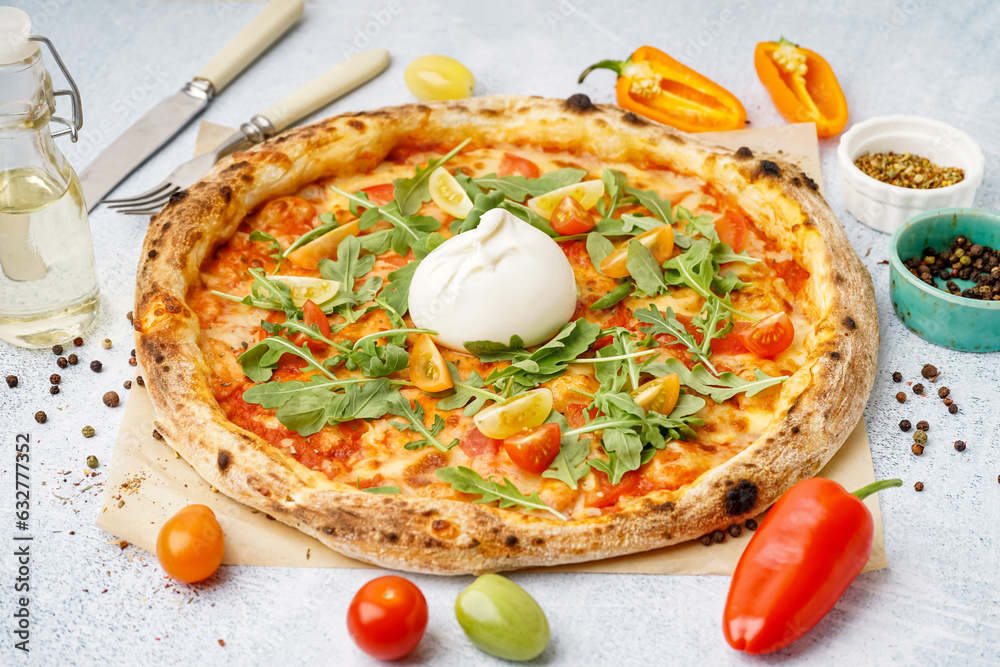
161	123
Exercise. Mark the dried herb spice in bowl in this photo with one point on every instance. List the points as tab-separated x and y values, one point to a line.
906	170
938	295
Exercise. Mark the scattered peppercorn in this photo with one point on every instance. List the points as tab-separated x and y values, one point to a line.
78	341
706	540
129	315
920	436
901	397
132	353
41	417
922	425
55	378
735	530
57	350
11	381
132	361
918	388
917	448
897	377
751	524
73	360
719	536
95	366
54	389
959	445
88	431
92	461
111	399
140	381
943	392
947	401
919	486
953	408
127	384
61	362
929	371
106	343
156	435
904	425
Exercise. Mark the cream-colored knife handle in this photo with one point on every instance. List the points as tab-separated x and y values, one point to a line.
270	24
339	80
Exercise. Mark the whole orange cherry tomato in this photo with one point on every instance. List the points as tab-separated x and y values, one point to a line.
387	617
190	544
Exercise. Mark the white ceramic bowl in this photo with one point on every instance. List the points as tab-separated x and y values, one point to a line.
886	207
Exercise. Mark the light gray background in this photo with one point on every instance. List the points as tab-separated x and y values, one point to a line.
937	604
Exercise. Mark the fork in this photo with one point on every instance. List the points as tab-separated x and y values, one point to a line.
337	81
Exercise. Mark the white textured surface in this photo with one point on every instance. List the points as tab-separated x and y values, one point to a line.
938	604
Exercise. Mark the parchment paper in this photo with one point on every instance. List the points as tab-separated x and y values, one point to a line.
147	482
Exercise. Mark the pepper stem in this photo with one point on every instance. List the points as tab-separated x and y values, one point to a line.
875	487
615	66
785	42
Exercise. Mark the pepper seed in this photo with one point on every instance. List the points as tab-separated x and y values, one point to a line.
129	315
959	445
897	377
919	486
947	401
901	397
88	431
920	436
61	362
92	461
156	435
127	384
140	381
73	359
918	388
706	540
751	524
111	399
55	378
132	361
11	381
953	408
904	425
917	448
106	343
57	350
54	389
95	366
41	417
943	392
735	530
923	426
929	371
78	341
718	536
132	353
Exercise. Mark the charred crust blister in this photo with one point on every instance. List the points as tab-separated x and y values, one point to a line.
511	541
223	460
151	254
356	124
744	152
632	119
741	498
850	323
835	355
226	192
579	103
767	168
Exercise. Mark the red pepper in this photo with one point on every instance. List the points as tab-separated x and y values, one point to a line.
810	547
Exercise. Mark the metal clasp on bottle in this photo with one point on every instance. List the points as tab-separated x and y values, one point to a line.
72	127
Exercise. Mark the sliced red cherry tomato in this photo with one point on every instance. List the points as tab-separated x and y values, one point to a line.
534	449
513	165
427	368
387	617
731	343
793	274
476	444
606	494
570	217
190	544
288	215
768	337
313	316
732	229
380	195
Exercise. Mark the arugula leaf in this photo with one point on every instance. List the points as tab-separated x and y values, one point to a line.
720	388
613	181
408	231
377	242
261	359
527	215
667	323
378	360
621	291
329	224
400	405
267	294
520	188
471	389
382	490
410	193
490	351
272	244
598	247
570	464
481	204
696	268
624	447
643	268
346	269
397	293
466	480
652	202
627	225
707	322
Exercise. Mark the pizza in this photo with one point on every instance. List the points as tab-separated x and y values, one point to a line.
717	342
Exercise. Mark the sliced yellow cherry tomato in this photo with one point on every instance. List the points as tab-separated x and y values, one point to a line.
659	395
659	240
303	289
439	78
503	420
427	368
448	194
585	192
325	246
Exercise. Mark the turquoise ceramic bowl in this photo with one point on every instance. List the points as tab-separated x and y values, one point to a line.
935	315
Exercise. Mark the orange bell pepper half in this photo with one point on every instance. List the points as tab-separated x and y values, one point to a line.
654	85
802	86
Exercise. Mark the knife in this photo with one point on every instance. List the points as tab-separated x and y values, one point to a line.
148	134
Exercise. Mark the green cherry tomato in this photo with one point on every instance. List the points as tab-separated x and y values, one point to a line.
502	619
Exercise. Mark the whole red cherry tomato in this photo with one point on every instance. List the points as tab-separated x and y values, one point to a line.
387	617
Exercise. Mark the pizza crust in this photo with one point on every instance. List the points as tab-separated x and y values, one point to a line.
818	406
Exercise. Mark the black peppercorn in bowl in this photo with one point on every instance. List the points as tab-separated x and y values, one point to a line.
945	278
